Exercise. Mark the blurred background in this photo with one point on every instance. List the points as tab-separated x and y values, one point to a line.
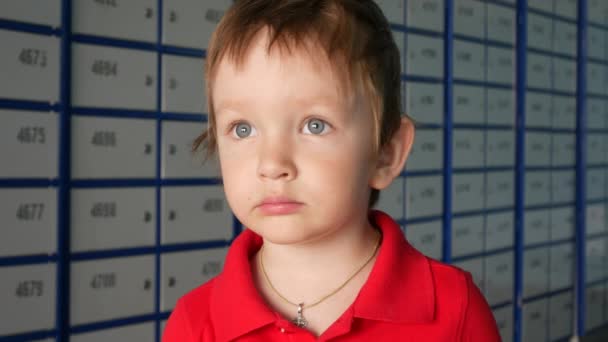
106	217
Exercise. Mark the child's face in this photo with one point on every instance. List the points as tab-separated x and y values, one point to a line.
286	134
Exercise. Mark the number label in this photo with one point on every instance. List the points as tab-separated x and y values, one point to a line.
30	211
29	288
33	57
31	135
104	68
104	139
103	281
103	210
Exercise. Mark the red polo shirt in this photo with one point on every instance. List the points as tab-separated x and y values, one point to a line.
407	297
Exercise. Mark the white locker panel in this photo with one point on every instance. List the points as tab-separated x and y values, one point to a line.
424	196
110	77
425	14
29	65
595	254
537	226
540	31
137	332
28	296
500	23
427	238
564	112
596	117
113	148
391	199
500	148
501	106
596	74
561	270
109	218
562	223
596	218
501	65
178	160
594	306
427	151
500	189
538	71
596	11
504	321
424	102
499	271
536	271
595	153
597	42
499	230
424	56
475	267
566	8
563	186
32	11
537	188
111	288
469	18
468	148
468	105
469	60
564	74
28	144
564	149
392	9
467	191
189	23
195	213
467	235
564	38
596	184
538	149
561	313
538	109
183	85
183	271
131	19
29	221
534	320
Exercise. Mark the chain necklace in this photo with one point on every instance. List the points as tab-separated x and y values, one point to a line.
299	319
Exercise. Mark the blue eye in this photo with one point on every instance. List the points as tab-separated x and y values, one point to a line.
243	130
316	126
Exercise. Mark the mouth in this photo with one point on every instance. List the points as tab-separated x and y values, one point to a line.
279	206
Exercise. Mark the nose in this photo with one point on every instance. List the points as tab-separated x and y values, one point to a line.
276	160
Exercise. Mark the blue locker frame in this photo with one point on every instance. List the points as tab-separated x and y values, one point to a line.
63	184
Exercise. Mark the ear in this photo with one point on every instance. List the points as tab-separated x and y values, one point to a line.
392	156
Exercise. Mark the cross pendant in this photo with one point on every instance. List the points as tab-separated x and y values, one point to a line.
300	321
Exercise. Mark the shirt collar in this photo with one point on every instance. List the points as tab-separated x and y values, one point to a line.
399	288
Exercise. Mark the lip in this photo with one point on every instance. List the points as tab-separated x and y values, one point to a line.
279	205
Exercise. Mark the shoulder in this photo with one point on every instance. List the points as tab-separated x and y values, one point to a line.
456	292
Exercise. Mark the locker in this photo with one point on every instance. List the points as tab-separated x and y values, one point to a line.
535	320
501	65
561	313
596	113
595	254
469	60
427	238
564	74
596	11
536	226
29	221
475	267
597	40
424	56
538	149
45	12
468	148
427	151
469	18
537	188
594	306
467	192
28	144
499	230
135	332
182	24
468	105
131	20
424	102
183	271
501	106
564	112
111	288
500	23
564	38
562	223
109	218
540	32
596	184
183	85
536	271
563	147
595	153
425	14
110	77
28	296
561	266
595	215
500	189
563	186
391	199
393	10
566	8
504	321
424	196
113	148
538	71
195	213
498	277
29	65
467	236
178	160
538	109
500	149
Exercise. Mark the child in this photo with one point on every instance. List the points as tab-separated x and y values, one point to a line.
304	112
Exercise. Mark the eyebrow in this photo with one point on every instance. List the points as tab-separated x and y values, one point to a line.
304	101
